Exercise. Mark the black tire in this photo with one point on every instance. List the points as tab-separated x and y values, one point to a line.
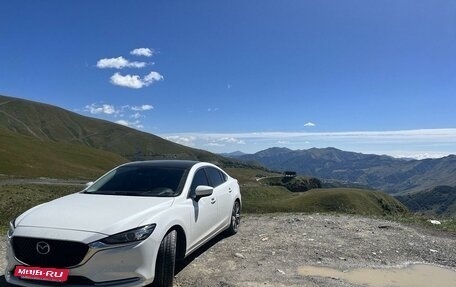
235	219
166	261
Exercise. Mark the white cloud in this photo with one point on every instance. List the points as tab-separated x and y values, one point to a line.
309	124
143	52
100	109
122	122
220	141
109	109
134	124
214	144
183	140
425	134
418	155
112	112
152	77
129	81
136	115
135	81
118	63
136	65
93	109
212	109
120	110
231	140
142	108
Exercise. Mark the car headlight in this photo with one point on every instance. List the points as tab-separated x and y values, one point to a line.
137	234
12	227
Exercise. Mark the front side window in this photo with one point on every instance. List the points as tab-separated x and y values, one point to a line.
140	181
200	178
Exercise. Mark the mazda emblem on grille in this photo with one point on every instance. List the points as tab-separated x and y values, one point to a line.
43	248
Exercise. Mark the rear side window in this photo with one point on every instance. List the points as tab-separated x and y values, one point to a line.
216	177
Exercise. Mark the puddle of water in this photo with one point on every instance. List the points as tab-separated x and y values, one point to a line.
416	275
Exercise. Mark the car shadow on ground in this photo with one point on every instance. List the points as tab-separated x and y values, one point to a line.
3	282
181	264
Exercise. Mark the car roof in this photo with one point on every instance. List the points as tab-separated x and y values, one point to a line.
164	163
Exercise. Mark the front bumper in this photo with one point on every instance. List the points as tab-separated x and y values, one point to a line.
127	266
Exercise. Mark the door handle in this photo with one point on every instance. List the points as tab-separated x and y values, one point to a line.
213	200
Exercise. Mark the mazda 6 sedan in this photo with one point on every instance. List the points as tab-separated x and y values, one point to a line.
126	229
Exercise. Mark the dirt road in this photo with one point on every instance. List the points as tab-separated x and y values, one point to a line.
270	249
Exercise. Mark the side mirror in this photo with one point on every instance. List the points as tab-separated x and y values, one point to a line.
202	191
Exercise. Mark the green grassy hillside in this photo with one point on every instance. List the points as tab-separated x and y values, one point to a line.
49	123
259	196
355	201
295	184
440	200
15	199
42	140
30	157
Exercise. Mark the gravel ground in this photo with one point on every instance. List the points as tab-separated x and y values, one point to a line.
269	250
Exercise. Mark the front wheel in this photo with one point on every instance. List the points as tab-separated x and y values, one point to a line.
166	261
235	219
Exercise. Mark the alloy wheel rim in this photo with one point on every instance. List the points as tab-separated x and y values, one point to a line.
236	216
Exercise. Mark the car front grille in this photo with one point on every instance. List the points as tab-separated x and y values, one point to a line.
61	254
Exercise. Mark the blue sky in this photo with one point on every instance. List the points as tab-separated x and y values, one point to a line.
366	76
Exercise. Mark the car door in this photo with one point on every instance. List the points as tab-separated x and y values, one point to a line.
222	191
204	215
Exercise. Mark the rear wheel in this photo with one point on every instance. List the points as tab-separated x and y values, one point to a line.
166	261
235	219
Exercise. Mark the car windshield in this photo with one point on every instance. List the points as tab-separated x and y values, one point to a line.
140	181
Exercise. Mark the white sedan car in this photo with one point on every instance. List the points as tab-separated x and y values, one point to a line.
126	229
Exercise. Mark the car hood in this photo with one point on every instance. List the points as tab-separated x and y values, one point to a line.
106	214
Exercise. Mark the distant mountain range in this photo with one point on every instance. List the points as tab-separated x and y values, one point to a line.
416	181
38	139
233	154
382	172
